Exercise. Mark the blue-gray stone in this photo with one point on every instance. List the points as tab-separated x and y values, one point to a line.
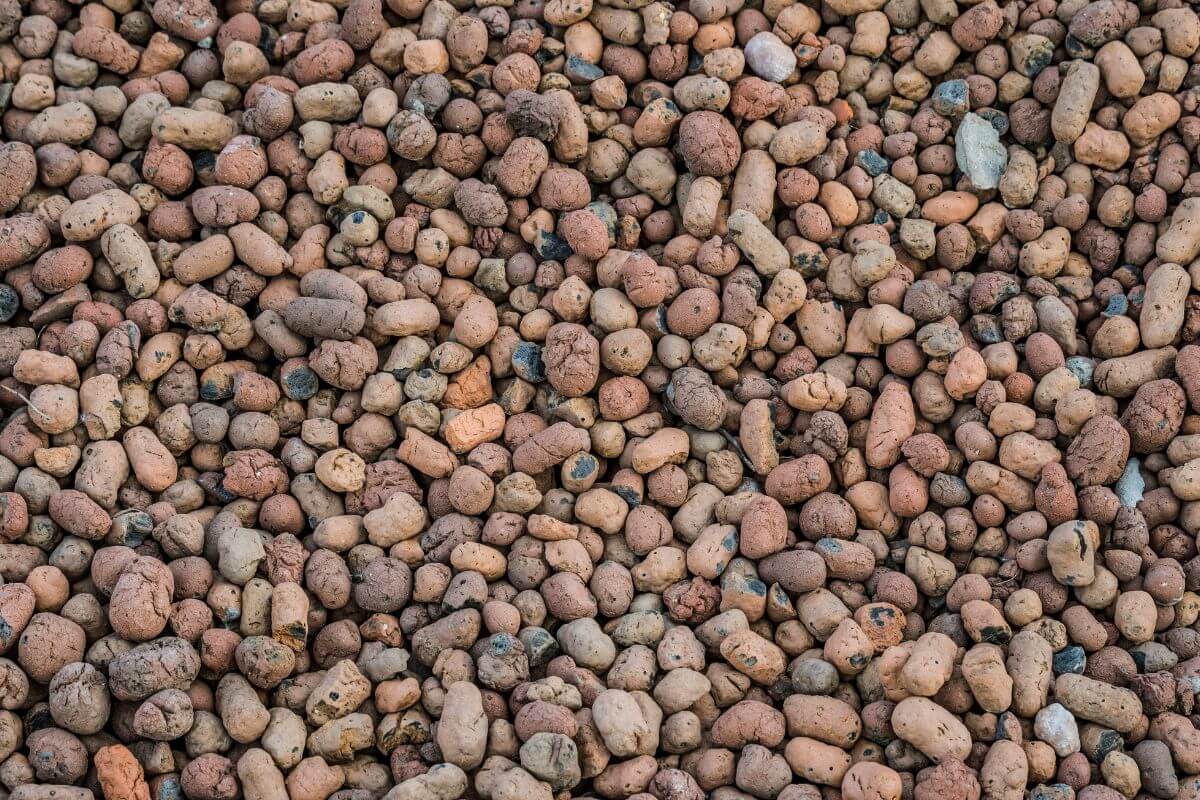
1131	486
551	247
950	98
1077	49
629	495
132	528
213	390
1153	657
540	646
997	117
810	263
814	676
10	302
168	788
949	490
978	151
501	644
301	383
587	464
1052	791
527	362
1037	56
607	215
873	163
583	71
986	329
1118	305
1082	368
1070	660
742	583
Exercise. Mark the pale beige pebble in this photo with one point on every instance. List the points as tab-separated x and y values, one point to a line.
1180	244
931	729
1121	772
849	8
884	324
816	391
756	657
930	664
1099	147
257	250
762	249
327	102
1123	76
1181	30
463	728
71	123
984	671
1135	616
756	433
816	761
798	142
967	372
476	323
703	200
1122	377
1046	256
1030	661
100	406
786	294
1150	117
893	420
415	317
623	724
260	778
87	219
1185	481
400	518
1163	305
1076	94
1005	771
153	465
341	690
194	129
341	470
1111	706
130	258
665	446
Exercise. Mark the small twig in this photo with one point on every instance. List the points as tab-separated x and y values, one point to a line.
25	400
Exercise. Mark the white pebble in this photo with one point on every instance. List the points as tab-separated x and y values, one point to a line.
769	57
1056	726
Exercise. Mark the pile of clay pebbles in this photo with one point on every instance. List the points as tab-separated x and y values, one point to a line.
554	399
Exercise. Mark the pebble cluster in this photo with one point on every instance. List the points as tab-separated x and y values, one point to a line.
549	399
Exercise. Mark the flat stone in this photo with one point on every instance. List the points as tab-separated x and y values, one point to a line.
873	163
1117	306
1131	486
978	151
1070	659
